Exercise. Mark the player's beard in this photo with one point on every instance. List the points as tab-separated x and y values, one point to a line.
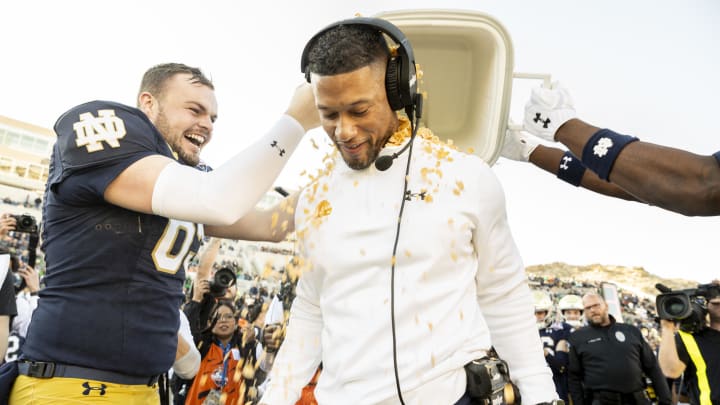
175	140
373	151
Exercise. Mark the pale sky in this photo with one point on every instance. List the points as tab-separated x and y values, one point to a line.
644	67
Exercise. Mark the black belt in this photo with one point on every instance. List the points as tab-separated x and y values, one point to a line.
42	369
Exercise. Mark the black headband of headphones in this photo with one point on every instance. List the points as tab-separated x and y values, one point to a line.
400	77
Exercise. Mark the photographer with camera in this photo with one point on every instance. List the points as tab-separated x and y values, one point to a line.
695	349
229	350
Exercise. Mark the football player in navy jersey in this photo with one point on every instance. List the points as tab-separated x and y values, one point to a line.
124	206
554	336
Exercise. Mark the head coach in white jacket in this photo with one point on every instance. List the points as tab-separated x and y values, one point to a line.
409	269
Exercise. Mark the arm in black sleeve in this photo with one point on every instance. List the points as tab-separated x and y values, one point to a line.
192	311
558	361
575	378
7	296
652	369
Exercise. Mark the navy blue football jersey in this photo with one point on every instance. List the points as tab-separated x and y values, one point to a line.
556	359
114	276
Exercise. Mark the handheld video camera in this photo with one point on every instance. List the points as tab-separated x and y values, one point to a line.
223	279
688	307
25	223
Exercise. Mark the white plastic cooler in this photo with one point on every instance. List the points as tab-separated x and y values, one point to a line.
467	62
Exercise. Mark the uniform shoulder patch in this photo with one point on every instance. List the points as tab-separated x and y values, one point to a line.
94	132
102	132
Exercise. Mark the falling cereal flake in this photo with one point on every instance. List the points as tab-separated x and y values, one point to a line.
460	185
407	253
355	183
428	198
454	256
323	209
267	270
456	192
432	360
451	222
248	371
461	315
471	150
325	187
274	220
417	320
491	269
430	326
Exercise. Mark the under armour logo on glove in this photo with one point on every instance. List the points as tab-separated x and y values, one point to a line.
274	144
538	118
602	146
409	195
547	110
89	388
564	165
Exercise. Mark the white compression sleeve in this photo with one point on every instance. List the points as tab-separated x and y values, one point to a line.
224	195
188	365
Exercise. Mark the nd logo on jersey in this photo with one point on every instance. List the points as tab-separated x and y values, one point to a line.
92	131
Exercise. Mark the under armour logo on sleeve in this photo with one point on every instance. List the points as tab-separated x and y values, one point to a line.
565	162
274	144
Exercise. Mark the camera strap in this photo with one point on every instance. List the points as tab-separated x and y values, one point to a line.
700	366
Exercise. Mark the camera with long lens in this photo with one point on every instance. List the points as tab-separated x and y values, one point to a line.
223	279
687	307
25	223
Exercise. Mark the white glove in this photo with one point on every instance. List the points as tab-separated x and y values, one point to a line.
547	110
518	145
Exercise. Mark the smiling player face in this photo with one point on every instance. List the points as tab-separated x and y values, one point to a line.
184	113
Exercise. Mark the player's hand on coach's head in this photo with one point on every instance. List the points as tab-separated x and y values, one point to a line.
518	145
302	107
547	110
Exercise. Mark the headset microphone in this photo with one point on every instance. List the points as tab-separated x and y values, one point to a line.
384	162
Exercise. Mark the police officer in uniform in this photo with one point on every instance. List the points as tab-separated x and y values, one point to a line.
608	360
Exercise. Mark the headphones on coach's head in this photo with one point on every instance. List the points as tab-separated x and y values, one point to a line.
400	76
